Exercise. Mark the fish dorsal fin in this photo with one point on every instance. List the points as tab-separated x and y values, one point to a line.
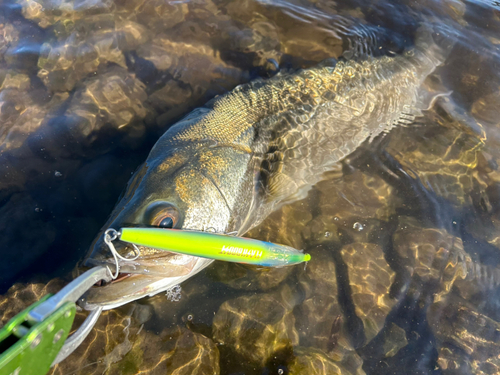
281	186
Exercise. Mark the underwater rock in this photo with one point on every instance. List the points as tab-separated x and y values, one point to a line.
257	325
313	361
171	101
486	108
454	9
95	41
48	12
182	75
465	333
103	110
433	257
182	353
443	158
394	339
437	261
248	277
259	39
10	79
318	319
23	109
20	296
489	367
157	15
322	229
120	344
370	280
357	204
317	47
114	335
486	228
173	306
194	64
9	36
319	276
296	29
20	42
114	98
453	361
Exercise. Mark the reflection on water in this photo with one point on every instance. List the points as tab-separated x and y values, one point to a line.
404	235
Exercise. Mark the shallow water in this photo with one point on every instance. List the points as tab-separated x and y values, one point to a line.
405	234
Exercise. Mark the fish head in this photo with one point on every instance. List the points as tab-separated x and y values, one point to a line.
169	191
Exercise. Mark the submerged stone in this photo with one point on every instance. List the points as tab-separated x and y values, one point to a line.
370	280
157	15
195	64
352	207
313	361
21	296
183	352
443	158
119	344
24	108
453	361
258	325
394	340
433	257
48	12
357	194
94	42
9	37
319	318
469	338
114	98
247	277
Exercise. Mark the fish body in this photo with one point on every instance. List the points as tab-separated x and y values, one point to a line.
229	164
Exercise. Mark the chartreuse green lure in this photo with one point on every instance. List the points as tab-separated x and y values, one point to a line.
215	246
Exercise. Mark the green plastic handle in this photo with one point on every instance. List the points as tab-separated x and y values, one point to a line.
29	348
215	246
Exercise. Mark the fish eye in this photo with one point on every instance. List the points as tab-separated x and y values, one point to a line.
168	222
162	215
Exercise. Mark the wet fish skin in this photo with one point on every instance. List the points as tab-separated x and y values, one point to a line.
228	164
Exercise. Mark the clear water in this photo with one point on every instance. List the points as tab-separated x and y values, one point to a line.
405	235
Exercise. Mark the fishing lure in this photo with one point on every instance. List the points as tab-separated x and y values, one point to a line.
215	246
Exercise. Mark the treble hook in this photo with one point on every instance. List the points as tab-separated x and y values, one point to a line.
109	236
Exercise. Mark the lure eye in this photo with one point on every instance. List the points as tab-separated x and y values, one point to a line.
163	215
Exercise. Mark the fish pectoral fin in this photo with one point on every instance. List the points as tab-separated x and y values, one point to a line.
281	186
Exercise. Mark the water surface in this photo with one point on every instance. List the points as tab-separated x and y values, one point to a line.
404	234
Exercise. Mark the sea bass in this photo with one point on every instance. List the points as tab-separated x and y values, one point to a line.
227	165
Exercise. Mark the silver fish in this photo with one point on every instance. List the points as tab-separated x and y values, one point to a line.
229	164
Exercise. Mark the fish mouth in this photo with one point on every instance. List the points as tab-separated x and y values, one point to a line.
152	273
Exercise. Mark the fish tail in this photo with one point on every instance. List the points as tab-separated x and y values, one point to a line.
433	45
435	42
